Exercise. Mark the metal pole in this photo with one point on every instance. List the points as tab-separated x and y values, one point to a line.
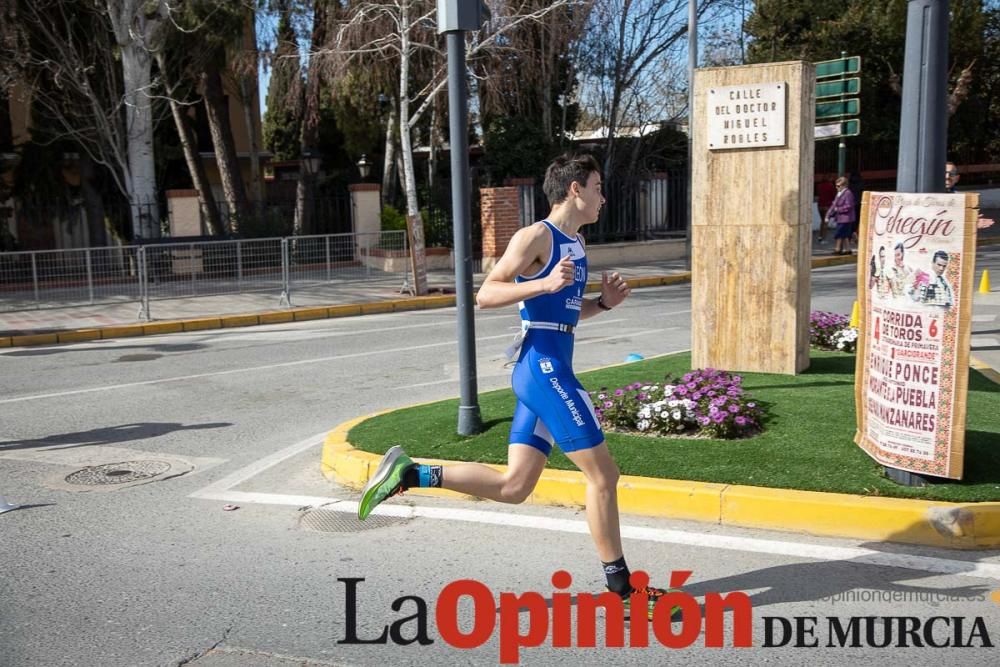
34	279
842	146
286	297
692	65
469	419
90	278
923	127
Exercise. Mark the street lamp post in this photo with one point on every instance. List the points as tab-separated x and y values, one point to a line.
692	65
454	18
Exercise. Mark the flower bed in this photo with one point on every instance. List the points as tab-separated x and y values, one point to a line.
707	403
832	331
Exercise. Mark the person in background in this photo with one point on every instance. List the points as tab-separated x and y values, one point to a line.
951	178
841	214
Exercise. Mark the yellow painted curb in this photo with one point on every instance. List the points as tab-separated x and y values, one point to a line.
983	368
162	328
5	341
276	317
34	339
239	321
79	335
122	331
311	313
376	307
344	311
931	523
202	323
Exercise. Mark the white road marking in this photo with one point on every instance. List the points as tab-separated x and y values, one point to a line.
222	491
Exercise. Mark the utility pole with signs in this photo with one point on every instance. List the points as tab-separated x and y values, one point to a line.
833	101
454	18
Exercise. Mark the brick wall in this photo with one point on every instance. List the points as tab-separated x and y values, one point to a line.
501	217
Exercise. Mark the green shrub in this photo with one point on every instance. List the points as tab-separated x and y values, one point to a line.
392	219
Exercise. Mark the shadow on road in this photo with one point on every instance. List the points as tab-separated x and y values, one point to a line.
106	435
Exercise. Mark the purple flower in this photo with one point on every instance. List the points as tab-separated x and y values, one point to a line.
691	385
734	408
619	392
741	421
751	405
719	417
704	421
641	396
696	396
681	391
687	377
608	404
737	378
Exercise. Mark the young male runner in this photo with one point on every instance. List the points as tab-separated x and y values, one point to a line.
544	270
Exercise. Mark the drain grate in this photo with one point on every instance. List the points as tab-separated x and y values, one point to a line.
117	473
329	521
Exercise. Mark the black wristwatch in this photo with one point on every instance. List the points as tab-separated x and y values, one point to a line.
601	304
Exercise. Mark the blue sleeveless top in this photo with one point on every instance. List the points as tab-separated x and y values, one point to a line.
562	307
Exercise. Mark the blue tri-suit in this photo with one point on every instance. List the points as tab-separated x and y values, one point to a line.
552	405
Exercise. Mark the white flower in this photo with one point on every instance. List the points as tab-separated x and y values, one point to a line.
663	415
643	425
677	415
669	388
673	404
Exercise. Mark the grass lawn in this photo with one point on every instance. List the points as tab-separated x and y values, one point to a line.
808	442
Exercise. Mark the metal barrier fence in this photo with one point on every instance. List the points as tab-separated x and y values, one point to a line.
32	280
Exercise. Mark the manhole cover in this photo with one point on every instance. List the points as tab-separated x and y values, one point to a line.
117	473
329	521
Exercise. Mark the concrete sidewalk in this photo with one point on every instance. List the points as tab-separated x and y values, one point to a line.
53	325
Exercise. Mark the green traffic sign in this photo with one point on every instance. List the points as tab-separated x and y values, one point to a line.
838	67
850	107
847	128
838	87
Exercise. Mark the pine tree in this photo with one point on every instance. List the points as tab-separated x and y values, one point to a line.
283	118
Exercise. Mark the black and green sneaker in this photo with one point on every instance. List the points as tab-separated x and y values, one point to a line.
653	594
386	482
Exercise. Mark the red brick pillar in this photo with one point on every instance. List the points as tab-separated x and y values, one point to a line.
501	217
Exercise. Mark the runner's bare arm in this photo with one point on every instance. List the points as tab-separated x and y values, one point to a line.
529	246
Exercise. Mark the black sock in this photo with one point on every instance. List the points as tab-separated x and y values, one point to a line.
617	574
421	476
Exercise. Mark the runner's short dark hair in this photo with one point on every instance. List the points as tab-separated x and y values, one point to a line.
563	171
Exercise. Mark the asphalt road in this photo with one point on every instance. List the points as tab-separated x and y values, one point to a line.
160	574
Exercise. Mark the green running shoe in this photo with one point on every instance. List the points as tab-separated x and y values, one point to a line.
654	594
386	482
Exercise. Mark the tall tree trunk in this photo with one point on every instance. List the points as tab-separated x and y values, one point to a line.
409	178
306	186
189	144
547	64
389	164
252	121
248	103
225	148
136	65
133	27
